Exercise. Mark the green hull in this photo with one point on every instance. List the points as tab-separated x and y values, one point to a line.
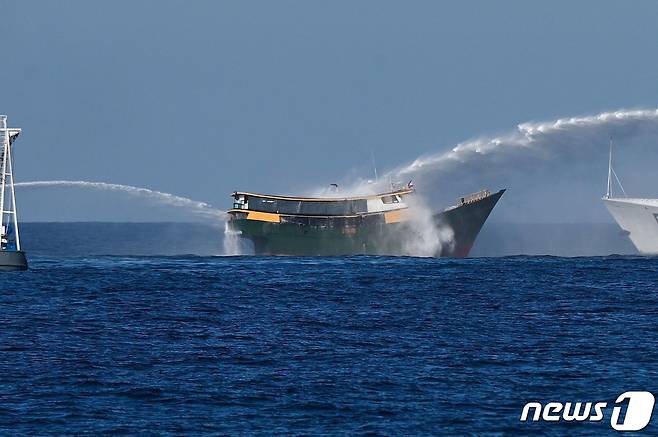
368	235
293	239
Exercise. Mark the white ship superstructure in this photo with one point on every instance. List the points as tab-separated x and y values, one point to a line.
12	256
638	217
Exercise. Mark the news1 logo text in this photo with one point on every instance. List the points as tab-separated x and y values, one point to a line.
639	409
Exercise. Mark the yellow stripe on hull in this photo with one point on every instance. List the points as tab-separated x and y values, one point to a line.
396	216
264	217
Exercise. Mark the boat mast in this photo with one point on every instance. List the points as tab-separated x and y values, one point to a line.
609	192
8	212
374	164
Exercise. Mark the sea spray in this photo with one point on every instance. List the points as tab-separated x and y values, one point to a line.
421	235
231	241
200	208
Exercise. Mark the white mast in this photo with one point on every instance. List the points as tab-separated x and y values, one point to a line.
7	206
374	164
609	192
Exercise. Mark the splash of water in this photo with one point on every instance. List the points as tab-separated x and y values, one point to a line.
200	208
231	241
422	235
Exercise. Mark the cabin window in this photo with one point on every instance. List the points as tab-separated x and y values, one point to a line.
240	202
390	199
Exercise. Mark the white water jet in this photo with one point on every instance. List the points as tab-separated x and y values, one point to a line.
557	137
575	137
200	208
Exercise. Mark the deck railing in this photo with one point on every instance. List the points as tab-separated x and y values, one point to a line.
474	197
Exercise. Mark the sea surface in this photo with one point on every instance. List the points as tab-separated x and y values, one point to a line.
171	238
193	345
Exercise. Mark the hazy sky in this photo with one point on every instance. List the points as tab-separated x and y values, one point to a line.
200	98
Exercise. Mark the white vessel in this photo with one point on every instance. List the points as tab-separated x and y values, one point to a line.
637	217
12	256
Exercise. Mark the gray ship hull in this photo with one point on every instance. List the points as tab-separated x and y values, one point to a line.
369	235
466	221
12	260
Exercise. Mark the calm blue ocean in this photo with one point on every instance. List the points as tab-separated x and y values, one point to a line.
358	345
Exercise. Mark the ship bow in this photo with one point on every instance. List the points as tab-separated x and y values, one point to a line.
465	221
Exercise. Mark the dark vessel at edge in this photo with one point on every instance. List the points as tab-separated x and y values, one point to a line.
379	224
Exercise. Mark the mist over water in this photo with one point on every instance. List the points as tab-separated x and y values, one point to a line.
422	235
199	208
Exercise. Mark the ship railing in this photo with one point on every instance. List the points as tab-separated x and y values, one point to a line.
474	197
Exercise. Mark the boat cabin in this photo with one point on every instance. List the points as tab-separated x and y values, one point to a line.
321	206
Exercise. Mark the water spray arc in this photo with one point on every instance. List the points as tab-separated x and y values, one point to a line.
199	208
559	136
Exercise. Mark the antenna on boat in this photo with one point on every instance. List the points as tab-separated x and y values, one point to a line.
609	192
374	164
611	174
